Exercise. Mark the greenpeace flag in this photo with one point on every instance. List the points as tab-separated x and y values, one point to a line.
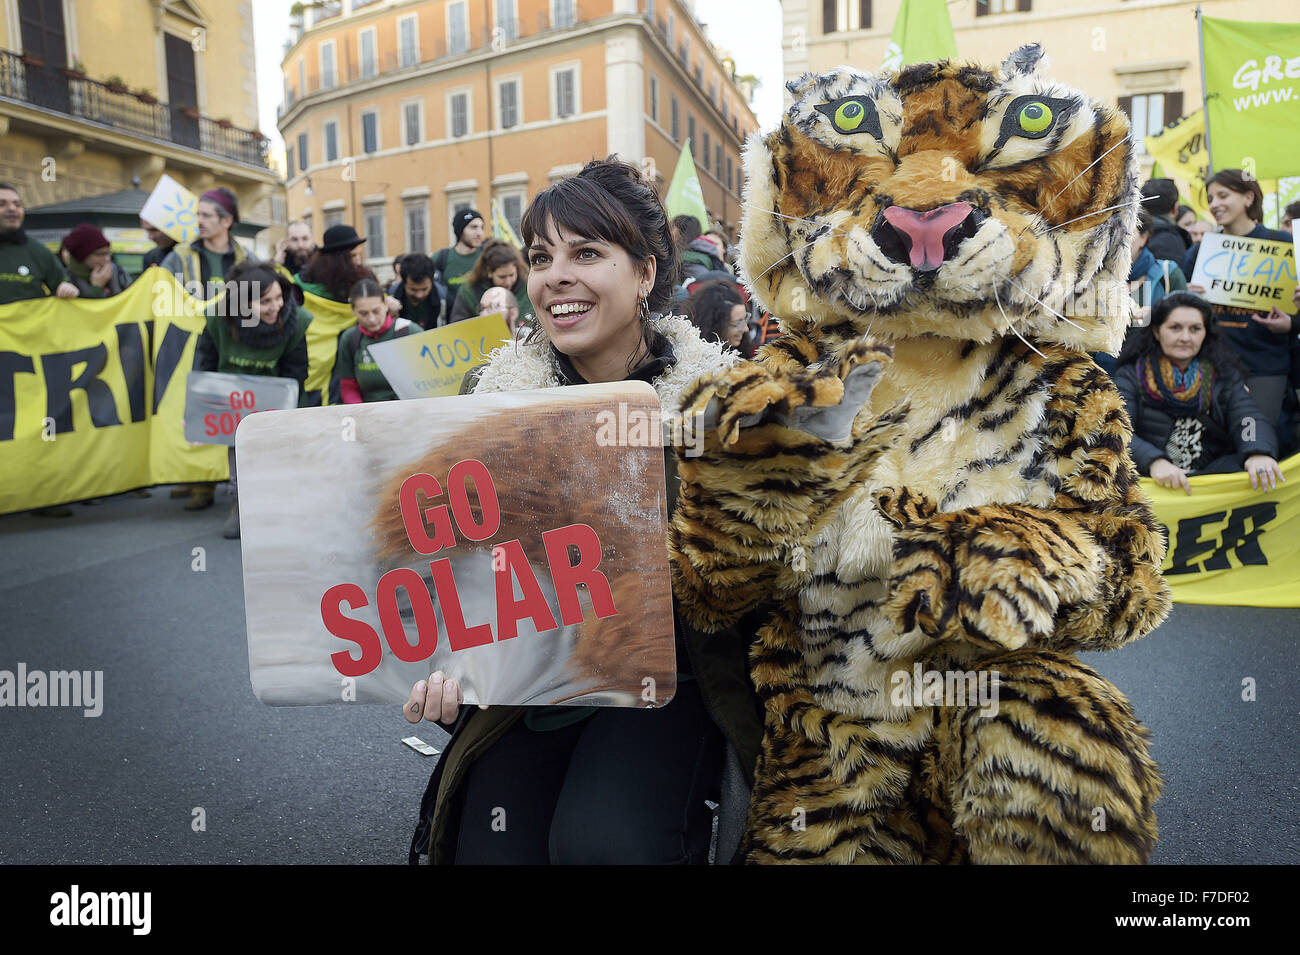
1252	88
685	198
922	34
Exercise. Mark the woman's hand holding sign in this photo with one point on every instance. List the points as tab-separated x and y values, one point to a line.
1276	321
437	701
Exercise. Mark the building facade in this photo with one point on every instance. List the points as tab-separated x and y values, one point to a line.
1142	55
399	112
97	96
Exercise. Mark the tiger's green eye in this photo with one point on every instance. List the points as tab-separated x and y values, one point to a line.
1035	117
849	116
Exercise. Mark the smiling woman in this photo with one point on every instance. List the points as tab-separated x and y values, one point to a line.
572	780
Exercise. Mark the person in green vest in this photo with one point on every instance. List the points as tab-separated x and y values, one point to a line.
360	378
274	345
454	262
27	268
88	256
499	264
202	266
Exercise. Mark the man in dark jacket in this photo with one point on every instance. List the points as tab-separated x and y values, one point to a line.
416	293
27	268
1168	239
162	244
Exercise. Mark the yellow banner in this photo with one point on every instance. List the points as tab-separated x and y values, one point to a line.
92	392
1180	150
1229	544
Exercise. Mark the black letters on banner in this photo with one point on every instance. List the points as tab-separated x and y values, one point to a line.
1190	547
59	385
11	365
130	347
169	356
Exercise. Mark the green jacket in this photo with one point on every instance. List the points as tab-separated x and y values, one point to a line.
719	661
190	266
27	269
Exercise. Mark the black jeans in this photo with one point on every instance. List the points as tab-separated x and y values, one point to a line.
622	787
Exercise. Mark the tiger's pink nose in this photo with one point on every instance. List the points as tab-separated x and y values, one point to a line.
922	234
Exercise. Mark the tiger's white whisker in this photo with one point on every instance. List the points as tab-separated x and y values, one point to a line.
1011	326
1085	169
1045	305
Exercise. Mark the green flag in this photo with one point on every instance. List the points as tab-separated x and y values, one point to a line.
1252	92
685	198
922	34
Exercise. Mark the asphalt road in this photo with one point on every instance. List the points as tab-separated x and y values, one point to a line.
113	588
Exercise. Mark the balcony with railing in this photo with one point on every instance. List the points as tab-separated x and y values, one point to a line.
70	93
497	37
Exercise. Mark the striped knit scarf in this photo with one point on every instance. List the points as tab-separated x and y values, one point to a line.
1187	391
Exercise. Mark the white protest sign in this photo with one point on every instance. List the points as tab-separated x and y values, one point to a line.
515	541
215	403
171	207
1245	273
433	364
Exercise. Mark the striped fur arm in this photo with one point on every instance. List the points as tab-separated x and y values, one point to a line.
1081	574
764	484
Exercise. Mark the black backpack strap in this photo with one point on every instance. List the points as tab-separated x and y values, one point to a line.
440	261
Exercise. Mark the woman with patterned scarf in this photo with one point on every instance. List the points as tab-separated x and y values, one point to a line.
1186	394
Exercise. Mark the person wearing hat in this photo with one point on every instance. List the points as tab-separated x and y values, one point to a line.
336	266
27	268
202	267
89	259
453	263
210	257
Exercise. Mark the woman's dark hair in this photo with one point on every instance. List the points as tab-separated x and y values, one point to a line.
1237	181
609	201
1292	211
366	288
336	271
1214	349
1182	210
1144	221
709	308
260	276
495	254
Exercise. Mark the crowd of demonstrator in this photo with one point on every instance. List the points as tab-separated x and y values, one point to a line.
1209	388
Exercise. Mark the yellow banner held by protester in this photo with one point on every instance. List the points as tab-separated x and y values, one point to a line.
92	391
1179	148
1230	544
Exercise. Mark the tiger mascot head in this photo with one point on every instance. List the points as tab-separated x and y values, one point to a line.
944	199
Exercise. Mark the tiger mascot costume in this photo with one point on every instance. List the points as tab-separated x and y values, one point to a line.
927	473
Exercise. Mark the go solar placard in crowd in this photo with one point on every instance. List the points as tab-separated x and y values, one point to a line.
433	363
215	403
511	540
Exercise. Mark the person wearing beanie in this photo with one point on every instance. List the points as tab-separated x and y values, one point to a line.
1168	239
27	268
453	263
269	338
88	256
210	257
202	267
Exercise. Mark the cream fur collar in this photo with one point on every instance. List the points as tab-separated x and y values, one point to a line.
518	367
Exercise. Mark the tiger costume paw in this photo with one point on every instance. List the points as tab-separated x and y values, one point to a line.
783	443
986	576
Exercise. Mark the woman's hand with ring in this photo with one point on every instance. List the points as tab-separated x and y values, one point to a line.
1264	472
